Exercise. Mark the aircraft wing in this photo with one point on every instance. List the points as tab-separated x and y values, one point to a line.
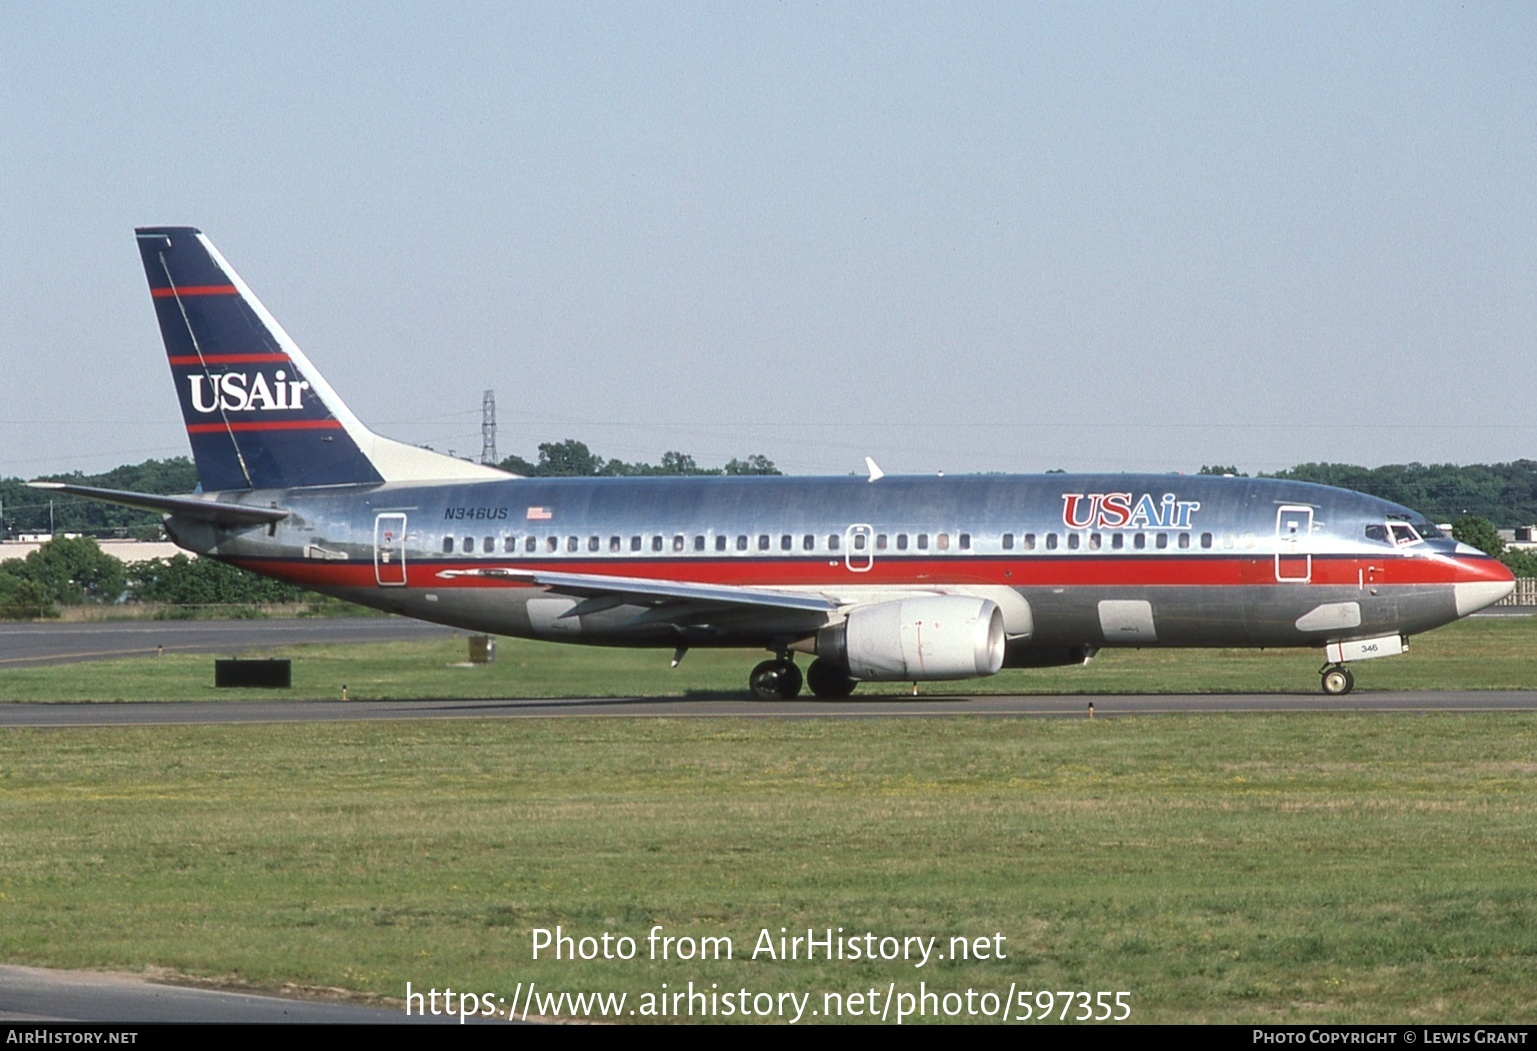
643	591
198	508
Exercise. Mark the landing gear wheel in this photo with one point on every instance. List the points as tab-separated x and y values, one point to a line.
775	681
1337	681
829	680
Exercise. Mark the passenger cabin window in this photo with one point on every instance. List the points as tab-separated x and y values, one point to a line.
923	541
859	541
469	545
880	541
1072	541
808	542
1008	541
763	541
1029	541
656	543
531	544
489	545
1139	541
677	543
699	542
634	543
1184	541
448	545
1117	541
942	542
1163	541
594	543
901	541
741	543
1051	541
786	542
1094	541
964	541
832	541
614	545
1206	540
720	542
510	544
573	543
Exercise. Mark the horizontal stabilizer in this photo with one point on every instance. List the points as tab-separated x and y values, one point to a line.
201	509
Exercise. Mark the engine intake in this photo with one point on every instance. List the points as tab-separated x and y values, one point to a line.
918	639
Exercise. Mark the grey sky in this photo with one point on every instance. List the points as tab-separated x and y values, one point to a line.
955	237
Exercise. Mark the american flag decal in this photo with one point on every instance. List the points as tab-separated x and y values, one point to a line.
540	514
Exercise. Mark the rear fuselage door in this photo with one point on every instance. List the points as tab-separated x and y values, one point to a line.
1294	544
390	550
859	548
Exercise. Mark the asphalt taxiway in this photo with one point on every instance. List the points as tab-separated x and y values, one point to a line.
167	713
43	642
34	994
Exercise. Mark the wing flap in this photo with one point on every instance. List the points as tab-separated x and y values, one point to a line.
643	591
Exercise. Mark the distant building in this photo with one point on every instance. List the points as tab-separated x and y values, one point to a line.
125	551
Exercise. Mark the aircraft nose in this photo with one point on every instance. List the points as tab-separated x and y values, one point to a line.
1481	582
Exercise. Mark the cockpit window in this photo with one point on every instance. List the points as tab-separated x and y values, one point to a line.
1378	533
1403	533
1423	529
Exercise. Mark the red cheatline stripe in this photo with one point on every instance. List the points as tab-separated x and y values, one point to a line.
1196	571
227	359
193	290
271	425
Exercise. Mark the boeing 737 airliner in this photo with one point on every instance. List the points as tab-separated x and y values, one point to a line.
877	579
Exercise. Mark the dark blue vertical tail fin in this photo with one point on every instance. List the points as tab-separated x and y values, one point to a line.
258	414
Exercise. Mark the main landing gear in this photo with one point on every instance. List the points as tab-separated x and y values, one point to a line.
1337	680
775	680
780	680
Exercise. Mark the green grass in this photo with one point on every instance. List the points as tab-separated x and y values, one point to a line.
1491	654
1258	868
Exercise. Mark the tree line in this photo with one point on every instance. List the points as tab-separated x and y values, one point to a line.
26	510
1502	493
71	571
74	571
573	459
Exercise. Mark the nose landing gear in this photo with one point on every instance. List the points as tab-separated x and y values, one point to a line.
1337	680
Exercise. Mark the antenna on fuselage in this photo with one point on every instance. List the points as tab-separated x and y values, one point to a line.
876	474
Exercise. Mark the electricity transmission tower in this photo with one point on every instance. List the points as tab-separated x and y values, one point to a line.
488	428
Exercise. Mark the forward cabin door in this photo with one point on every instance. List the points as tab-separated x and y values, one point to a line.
1294	544
390	550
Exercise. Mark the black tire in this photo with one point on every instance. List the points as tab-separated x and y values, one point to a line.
775	681
829	680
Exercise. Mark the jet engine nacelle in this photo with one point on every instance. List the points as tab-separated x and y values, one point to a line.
918	639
